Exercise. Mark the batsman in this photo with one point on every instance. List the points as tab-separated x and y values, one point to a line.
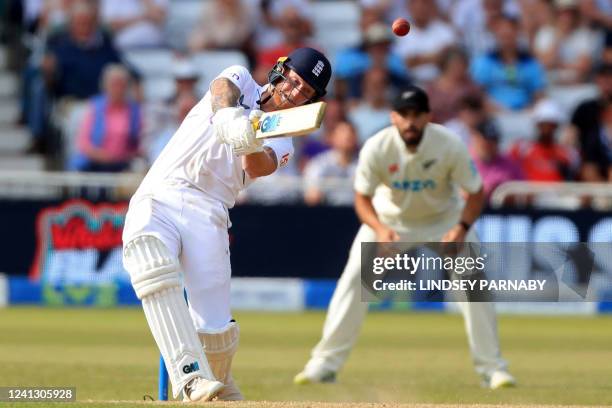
407	186
175	233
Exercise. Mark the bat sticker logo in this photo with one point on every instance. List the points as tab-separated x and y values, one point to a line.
270	123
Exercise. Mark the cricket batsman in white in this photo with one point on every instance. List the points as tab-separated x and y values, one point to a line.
175	233
407	189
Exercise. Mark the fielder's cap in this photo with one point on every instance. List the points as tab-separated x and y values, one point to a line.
546	111
312	66
377	33
411	97
488	130
185	69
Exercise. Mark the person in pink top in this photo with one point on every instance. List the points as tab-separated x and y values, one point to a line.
494	167
109	134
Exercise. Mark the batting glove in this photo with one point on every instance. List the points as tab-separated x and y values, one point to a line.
232	127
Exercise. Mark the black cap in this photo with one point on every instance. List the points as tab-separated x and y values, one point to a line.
312	66
488	130
411	98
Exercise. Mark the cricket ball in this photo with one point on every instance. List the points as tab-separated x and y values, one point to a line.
400	27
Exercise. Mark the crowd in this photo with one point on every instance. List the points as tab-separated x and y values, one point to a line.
479	60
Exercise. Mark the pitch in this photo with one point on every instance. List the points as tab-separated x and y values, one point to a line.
401	359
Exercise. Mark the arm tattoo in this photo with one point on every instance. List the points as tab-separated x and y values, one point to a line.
224	94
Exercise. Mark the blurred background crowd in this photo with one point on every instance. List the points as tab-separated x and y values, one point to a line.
101	85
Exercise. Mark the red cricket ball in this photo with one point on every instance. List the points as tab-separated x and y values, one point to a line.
400	27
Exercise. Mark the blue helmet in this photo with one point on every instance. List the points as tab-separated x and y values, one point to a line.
311	65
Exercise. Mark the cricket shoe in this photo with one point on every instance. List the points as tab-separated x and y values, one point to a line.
200	389
309	377
500	379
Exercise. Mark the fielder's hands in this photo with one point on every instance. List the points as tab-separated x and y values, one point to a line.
386	234
234	128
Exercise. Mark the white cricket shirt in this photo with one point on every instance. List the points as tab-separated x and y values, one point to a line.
194	158
420	187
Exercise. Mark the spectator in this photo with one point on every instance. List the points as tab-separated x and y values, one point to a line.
225	24
536	14
109	135
295	28
475	20
73	65
372	112
428	40
494	167
182	104
592	123
512	78
319	142
77	56
339	164
135	23
566	49
471	113
161	115
451	87
375	51
544	159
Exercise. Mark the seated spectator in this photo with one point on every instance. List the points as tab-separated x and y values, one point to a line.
566	48
372	112
135	23
475	19
452	86
181	106
295	28
592	123
375	51
494	167
512	78
543	159
428	40
109	135
161	115
534	15
471	112
225	24
339	164
77	56
73	65
319	141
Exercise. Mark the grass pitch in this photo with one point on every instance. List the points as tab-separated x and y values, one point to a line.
400	358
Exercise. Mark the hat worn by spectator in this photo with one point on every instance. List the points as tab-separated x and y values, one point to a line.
488	130
547	111
185	69
411	98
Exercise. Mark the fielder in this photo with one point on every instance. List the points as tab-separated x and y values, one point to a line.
406	189
176	226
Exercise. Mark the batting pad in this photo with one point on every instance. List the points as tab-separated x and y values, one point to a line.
156	279
220	347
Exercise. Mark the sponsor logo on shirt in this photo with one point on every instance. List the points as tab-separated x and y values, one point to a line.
429	163
414	185
393	168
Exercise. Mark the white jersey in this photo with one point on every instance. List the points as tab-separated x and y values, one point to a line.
195	158
415	188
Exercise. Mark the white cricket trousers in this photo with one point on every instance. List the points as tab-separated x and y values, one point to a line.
194	229
346	311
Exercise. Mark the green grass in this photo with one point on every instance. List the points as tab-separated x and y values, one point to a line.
400	357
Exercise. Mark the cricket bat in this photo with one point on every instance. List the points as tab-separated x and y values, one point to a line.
298	121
